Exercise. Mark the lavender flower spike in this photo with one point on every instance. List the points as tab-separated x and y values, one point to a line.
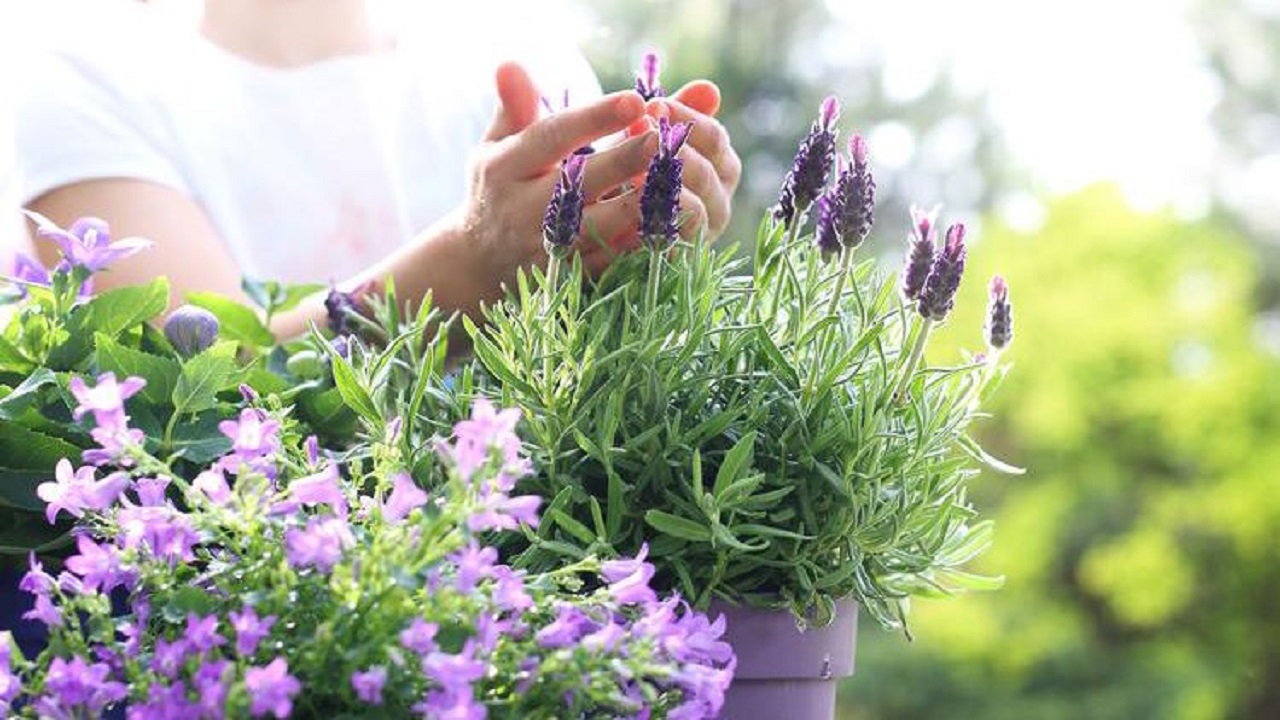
660	201
808	174
647	83
845	211
924	237
999	315
939	292
563	219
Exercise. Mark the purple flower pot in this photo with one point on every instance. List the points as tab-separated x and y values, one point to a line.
784	672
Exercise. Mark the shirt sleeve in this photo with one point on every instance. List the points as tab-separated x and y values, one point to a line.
85	113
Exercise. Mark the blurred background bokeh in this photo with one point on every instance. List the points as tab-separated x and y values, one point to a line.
1121	159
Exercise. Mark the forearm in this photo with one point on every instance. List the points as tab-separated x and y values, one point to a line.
442	260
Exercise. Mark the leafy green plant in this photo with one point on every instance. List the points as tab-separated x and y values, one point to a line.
769	434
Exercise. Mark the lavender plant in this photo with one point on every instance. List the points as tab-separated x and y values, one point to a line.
284	582
768	433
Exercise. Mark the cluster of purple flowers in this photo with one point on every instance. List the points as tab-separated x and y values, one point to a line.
244	653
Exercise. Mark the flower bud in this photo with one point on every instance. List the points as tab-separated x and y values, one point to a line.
999	315
940	288
660	201
920	254
338	305
647	83
191	330
845	211
808	174
563	219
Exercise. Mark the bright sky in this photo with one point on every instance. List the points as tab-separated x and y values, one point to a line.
1086	90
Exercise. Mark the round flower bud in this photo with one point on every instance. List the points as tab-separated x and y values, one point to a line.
191	330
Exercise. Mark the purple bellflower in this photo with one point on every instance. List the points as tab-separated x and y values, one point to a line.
29	271
87	243
999	315
563	220
924	238
845	211
660	201
272	689
939	293
191	330
808	174
647	83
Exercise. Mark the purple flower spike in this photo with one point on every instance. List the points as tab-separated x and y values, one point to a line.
191	330
563	219
660	201
845	211
87	243
939	292
999	315
920	255
647	83
339	306
813	163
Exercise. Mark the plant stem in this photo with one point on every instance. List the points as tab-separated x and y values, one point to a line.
651	295
846	262
548	293
913	360
791	239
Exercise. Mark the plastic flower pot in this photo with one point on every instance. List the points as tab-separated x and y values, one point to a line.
785	672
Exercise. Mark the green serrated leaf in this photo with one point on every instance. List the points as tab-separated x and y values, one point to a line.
200	380
161	373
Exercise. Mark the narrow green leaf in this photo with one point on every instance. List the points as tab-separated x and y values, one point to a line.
677	526
581	532
736	461
353	392
974	449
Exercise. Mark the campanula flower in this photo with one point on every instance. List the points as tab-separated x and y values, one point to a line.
272	689
87	243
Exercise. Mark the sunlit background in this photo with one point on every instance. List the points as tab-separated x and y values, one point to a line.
1120	161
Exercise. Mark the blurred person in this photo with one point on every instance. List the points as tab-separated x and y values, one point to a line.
300	140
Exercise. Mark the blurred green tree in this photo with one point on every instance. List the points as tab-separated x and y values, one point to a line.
1141	550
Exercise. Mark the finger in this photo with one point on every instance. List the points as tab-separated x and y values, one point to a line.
547	141
611	225
700	177
517	102
693	215
709	138
701	95
608	169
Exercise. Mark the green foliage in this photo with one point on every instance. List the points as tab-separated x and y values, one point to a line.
741	428
50	335
1141	546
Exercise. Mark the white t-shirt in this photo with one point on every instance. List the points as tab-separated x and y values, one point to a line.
309	173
